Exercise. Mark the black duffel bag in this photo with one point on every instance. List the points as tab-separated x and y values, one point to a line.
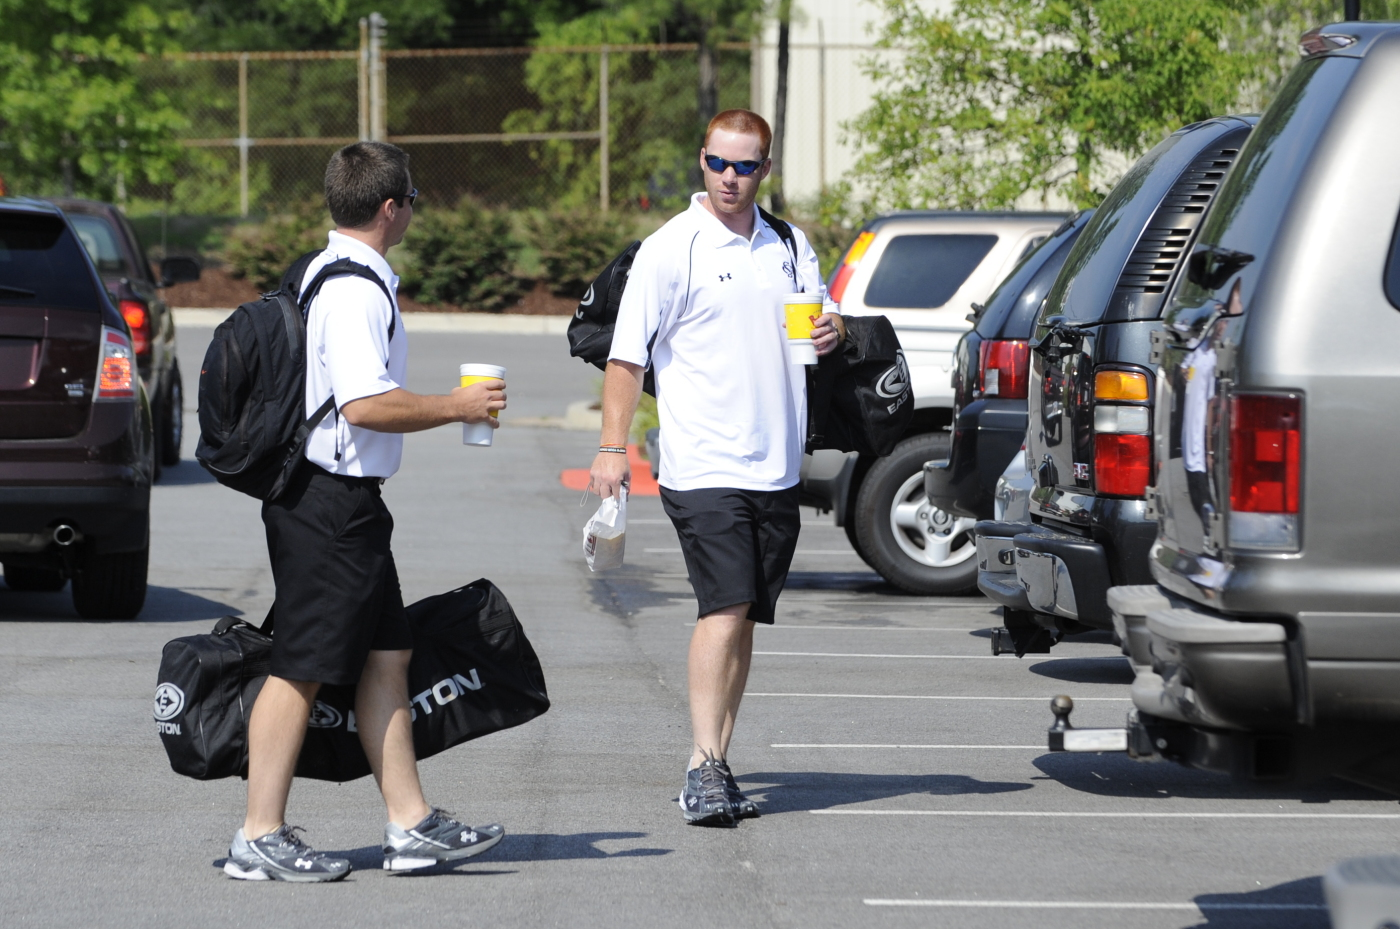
473	672
859	397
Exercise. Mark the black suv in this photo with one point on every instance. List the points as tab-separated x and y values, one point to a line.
992	368
77	444
1091	390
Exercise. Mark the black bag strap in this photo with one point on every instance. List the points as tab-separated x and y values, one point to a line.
784	232
338	268
228	622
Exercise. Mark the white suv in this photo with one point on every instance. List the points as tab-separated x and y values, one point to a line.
923	270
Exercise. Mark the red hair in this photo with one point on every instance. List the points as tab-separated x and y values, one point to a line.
743	122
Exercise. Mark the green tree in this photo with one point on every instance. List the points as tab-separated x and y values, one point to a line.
999	98
75	119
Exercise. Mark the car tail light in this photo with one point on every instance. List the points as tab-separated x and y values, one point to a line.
1120	385
116	370
1122	464
1266	466
136	316
1004	368
848	264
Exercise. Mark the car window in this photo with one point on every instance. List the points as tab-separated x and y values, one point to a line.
1012	306
924	271
42	263
144	271
99	237
1249	209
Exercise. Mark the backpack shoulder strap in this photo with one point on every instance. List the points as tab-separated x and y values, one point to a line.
783	230
338	268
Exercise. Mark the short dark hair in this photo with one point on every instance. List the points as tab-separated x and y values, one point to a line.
360	177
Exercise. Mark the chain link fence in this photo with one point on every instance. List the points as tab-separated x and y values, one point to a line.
514	127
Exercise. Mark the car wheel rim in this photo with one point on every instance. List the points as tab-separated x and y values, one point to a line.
927	535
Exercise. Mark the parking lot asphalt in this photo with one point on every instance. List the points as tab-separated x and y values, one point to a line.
900	768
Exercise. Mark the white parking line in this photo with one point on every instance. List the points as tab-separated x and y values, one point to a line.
959	629
923	697
1096	905
1039	748
1091	814
971	657
677	551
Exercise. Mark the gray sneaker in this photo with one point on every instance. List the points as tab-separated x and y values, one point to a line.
437	838
281	856
705	799
742	806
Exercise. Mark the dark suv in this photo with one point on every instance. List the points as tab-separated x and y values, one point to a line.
115	250
990	374
1091	396
77	447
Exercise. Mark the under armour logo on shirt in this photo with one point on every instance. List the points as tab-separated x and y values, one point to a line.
788	270
726	277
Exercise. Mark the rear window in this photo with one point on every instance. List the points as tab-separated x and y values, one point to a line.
41	263
100	239
924	271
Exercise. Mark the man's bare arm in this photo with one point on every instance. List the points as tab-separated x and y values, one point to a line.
622	389
401	410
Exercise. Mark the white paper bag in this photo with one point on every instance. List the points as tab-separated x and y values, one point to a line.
605	535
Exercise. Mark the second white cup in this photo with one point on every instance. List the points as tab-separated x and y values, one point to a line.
479	433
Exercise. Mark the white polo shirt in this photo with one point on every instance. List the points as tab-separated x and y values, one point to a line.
349	354
733	408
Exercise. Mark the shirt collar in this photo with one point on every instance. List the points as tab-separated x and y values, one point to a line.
717	231
347	247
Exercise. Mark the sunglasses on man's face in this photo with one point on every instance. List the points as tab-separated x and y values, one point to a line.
741	168
412	195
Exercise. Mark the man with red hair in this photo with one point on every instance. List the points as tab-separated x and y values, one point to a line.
703	309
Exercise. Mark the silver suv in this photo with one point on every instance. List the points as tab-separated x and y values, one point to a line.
1270	647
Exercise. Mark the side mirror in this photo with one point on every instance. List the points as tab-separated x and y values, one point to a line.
178	270
1210	267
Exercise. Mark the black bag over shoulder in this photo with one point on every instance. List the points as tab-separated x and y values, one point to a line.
591	330
473	672
859	398
252	385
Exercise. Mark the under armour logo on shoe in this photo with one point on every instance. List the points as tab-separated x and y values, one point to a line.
726	277
690	801
469	836
303	863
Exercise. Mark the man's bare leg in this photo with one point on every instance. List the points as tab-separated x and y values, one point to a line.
276	730
386	732
720	653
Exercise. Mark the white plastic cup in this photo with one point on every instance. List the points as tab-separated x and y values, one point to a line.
800	313
479	433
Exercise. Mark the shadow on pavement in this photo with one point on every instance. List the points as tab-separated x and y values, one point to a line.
183	474
627	590
1113	774
861	581
163	605
516	848
798	791
1102	669
1269	908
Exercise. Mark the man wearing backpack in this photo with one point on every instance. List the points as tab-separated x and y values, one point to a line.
703	308
339	613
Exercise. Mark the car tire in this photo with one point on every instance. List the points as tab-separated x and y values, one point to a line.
25	577
915	546
854	539
172	420
110	586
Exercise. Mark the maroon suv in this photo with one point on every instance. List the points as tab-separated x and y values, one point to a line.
77	443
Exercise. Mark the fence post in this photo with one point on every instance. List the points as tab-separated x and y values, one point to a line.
243	134
821	105
603	167
364	79
756	72
377	100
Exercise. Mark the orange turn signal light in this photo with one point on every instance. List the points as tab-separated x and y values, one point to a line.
1120	385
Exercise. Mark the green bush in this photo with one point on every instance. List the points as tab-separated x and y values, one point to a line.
466	257
261	252
574	245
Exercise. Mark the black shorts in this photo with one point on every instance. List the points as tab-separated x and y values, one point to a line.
738	544
338	592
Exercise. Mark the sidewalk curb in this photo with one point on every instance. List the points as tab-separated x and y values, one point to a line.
420	322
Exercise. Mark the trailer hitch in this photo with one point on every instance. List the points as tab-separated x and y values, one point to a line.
1064	737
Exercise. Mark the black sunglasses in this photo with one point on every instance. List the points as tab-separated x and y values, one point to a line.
741	168
412	195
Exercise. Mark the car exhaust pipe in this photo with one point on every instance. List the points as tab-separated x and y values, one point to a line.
65	535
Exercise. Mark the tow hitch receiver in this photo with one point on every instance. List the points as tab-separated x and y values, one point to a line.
1065	738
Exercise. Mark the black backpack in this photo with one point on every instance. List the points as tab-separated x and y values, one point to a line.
252	386
859	398
591	329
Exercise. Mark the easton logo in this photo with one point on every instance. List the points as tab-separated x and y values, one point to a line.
444	692
895	381
170	700
324	716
